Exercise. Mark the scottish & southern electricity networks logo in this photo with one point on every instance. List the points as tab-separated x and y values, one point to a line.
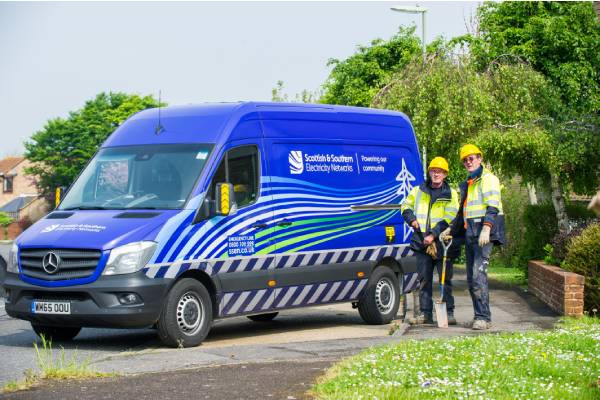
296	162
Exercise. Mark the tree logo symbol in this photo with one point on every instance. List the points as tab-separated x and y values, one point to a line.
405	178
296	163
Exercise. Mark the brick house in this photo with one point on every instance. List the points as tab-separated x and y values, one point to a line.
18	195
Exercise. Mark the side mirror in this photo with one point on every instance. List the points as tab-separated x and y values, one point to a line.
225	199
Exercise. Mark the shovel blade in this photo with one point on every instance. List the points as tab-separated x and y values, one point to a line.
441	313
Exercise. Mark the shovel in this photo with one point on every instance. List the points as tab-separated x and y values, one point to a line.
440	306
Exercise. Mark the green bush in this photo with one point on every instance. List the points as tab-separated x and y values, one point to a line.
583	257
540	227
5	221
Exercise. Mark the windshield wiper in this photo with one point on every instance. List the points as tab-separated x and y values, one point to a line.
140	208
86	208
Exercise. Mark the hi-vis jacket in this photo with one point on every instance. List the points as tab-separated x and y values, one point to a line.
483	205
433	214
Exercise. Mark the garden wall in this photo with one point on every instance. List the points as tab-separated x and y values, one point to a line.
561	290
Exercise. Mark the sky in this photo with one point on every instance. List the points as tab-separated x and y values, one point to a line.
56	55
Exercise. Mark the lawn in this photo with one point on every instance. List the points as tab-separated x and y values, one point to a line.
563	363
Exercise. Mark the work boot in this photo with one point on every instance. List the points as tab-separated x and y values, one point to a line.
451	319
481	325
422	319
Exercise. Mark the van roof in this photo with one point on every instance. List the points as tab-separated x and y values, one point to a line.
208	122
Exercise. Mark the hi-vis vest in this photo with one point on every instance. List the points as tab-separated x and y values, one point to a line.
443	208
484	192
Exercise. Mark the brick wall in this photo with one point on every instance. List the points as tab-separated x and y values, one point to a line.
561	290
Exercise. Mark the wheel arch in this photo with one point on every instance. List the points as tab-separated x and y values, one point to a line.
392	263
208	283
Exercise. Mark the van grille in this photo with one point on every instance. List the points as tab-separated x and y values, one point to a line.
72	263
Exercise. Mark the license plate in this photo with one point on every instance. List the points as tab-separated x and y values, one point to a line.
50	307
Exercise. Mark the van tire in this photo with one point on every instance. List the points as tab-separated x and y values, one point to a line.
381	298
56	333
186	316
263	317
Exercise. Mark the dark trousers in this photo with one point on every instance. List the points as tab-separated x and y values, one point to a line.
478	259
425	265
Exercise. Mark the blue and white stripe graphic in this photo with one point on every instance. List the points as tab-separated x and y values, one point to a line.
254	301
277	261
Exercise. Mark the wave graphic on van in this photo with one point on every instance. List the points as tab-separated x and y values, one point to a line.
296	211
319	213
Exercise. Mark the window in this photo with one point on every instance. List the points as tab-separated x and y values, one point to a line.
138	177
239	167
8	184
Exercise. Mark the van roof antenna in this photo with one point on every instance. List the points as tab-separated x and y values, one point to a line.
159	127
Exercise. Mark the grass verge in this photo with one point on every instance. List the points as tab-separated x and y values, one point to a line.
562	364
54	368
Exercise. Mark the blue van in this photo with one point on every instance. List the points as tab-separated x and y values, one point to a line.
194	213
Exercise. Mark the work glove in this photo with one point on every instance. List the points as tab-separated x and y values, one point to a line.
431	250
484	236
445	235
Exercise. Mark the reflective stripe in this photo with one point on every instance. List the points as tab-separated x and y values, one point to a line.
474	203
451	210
475	214
418	198
491	192
493	203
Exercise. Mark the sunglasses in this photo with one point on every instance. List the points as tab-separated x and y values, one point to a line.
469	159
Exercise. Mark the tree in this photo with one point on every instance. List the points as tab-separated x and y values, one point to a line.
509	112
559	39
448	103
357	79
306	96
63	147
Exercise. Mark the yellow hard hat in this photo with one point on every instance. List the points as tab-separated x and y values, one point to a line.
469	149
439	162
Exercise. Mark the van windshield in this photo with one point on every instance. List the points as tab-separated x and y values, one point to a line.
138	177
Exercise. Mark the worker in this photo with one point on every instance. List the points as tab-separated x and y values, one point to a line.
428	209
482	219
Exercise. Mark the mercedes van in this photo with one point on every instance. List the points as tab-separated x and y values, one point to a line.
190	214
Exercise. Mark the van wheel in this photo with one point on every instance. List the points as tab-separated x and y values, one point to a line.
263	317
381	298
56	333
186	316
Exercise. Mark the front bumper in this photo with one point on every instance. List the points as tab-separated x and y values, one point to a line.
94	304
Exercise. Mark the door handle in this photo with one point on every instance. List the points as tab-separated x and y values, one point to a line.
259	225
284	223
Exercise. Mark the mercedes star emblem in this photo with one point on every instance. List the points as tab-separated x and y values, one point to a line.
51	262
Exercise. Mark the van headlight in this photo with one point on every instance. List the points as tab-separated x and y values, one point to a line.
129	258
13	262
